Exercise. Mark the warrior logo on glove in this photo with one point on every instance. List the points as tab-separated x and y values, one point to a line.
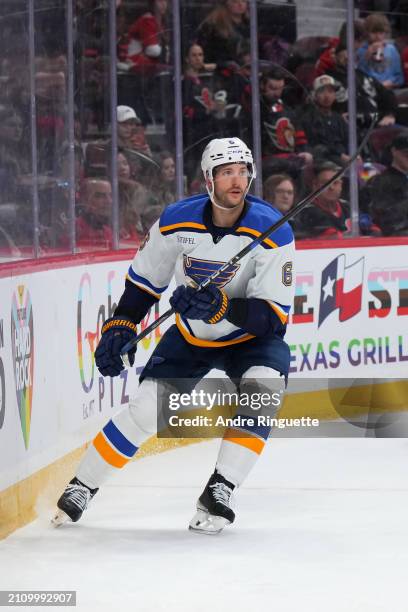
116	332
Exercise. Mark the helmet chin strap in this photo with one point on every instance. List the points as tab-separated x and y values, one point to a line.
229	209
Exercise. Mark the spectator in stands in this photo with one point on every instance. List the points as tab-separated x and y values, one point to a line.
127	122
138	140
195	64
13	159
133	199
326	130
371	96
210	105
147	42
387	193
326	61
93	225
164	186
284	142
50	89
132	139
279	190
224	31
328	216
377	57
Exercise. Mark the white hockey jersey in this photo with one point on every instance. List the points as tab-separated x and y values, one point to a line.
180	243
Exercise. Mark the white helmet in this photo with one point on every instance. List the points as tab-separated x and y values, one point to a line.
226	151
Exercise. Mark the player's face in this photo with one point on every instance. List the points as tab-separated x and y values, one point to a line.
230	184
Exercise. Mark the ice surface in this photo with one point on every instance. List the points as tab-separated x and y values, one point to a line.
322	525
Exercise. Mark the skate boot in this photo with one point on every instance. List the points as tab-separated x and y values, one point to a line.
214	511
73	502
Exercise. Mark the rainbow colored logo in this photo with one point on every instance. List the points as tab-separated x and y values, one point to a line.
22	342
89	337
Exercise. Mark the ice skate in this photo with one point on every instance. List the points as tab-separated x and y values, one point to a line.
214	510
73	502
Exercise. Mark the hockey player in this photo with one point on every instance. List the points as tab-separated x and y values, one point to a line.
236	324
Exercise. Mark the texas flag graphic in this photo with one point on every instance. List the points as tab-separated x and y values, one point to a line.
341	288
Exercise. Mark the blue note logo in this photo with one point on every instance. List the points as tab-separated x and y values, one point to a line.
200	269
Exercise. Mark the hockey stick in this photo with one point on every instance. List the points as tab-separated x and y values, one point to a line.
289	215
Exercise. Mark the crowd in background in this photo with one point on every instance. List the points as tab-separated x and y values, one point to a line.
303	107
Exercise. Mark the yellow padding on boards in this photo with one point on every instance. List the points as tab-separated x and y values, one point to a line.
244	439
108	453
18	502
357	399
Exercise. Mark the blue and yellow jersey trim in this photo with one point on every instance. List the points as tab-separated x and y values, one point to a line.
188	216
259	217
144	284
267	243
280	310
186	226
191	339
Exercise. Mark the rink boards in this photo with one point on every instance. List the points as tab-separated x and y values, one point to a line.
348	322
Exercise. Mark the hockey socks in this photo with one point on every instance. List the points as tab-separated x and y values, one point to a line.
118	442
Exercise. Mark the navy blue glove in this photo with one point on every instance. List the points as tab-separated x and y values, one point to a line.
116	332
210	304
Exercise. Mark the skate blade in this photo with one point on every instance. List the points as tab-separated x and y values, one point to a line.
207	524
60	518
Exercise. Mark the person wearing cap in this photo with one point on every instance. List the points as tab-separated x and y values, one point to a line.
127	122
328	216
387	193
131	131
326	130
371	96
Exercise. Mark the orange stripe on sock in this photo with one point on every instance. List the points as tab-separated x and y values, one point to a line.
244	439
108	453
